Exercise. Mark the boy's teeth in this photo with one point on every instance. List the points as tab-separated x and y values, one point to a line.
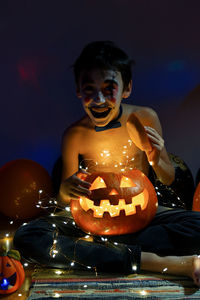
100	109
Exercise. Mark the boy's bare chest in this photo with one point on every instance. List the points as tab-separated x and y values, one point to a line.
111	150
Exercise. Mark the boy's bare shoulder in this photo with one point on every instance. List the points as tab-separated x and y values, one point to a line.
77	128
142	112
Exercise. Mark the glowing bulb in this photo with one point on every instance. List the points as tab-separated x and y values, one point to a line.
4	284
58	272
56	295
19	295
85	286
72	264
89	267
11	222
143	293
165	269
24	224
7	234
134	268
53	225
67	208
25	264
40	191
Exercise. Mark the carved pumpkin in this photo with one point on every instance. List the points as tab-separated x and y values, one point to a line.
11	272
119	203
196	199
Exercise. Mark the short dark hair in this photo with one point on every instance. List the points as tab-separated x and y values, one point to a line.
104	55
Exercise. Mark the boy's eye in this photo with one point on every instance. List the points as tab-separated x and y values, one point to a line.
109	89
88	89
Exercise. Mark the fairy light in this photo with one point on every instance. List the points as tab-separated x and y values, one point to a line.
134	267
87	237
143	293
40	191
25	264
19	295
58	272
11	222
56	295
165	269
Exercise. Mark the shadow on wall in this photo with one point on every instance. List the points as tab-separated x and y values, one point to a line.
186	129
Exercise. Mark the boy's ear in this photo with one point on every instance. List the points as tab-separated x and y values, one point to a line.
126	93
78	94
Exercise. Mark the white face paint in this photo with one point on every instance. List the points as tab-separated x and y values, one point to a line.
101	93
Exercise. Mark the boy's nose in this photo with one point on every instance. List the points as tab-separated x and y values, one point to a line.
99	98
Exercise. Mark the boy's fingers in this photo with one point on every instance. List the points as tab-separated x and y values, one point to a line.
81	182
80	192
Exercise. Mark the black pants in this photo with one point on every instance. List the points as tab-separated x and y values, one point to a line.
172	232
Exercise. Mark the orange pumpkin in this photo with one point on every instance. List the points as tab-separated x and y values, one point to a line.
119	203
20	183
11	272
196	199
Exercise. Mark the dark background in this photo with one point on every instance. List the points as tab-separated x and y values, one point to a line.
39	41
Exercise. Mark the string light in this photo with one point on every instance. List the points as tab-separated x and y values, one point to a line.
126	163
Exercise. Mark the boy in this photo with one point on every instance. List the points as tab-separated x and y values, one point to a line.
113	137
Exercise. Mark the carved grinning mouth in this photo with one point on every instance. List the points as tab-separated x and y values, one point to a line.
100	112
8	283
140	200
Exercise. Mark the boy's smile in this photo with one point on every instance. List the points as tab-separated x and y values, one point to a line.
101	93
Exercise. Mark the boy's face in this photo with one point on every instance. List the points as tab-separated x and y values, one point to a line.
101	93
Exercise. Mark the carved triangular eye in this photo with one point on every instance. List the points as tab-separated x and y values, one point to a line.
98	183
126	182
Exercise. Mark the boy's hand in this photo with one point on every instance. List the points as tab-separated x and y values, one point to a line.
157	144
145	138
138	133
74	186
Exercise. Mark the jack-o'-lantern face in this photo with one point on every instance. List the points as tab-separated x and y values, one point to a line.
118	204
11	272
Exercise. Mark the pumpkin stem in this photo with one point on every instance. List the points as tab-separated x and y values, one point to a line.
14	254
3	251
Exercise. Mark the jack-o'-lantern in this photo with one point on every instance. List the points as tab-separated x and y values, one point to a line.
119	203
11	272
196	199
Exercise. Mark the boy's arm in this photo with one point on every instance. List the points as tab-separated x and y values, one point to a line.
71	187
154	146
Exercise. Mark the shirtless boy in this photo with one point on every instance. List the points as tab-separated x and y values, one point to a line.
134	140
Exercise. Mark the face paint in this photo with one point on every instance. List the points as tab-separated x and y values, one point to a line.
87	99
101	95
113	99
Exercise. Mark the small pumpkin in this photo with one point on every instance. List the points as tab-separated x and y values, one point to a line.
196	199
11	272
119	203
